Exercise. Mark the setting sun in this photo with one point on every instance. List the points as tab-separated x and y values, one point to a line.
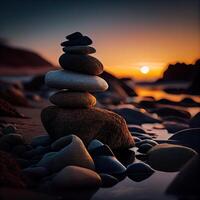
144	69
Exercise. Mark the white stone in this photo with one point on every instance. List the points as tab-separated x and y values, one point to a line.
64	79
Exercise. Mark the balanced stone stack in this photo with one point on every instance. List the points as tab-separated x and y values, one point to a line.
74	111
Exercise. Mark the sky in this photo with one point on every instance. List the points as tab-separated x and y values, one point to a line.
126	34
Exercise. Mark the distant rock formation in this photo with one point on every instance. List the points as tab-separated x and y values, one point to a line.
181	72
25	61
118	90
195	86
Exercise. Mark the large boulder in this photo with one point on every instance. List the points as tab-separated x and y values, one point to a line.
88	124
169	157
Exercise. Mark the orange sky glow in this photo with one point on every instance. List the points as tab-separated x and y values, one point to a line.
123	56
126	34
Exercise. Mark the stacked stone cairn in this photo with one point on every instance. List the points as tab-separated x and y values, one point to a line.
79	76
74	111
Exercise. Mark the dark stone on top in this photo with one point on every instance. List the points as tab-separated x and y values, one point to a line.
139	171
77	42
7	110
74	36
84	50
81	63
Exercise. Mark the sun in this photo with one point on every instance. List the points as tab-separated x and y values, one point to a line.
144	69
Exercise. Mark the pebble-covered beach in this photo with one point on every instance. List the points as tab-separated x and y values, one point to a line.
82	135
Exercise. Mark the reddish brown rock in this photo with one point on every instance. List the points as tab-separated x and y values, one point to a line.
88	124
73	99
